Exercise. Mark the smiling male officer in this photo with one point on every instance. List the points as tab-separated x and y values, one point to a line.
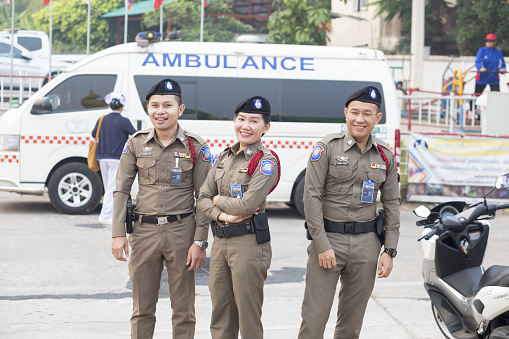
171	165
344	174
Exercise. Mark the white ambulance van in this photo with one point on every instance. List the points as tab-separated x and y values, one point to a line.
44	143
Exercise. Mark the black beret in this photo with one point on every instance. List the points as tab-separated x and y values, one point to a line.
368	94
165	87
255	104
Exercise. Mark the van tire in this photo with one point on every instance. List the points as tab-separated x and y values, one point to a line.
298	196
75	189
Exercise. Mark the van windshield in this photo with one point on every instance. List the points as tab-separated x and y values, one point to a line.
81	92
291	100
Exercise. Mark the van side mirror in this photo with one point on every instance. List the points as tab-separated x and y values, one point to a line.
41	106
26	55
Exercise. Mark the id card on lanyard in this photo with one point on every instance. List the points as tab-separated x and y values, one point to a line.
368	190
176	174
236	190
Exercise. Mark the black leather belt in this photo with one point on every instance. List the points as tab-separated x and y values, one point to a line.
232	230
162	220
350	227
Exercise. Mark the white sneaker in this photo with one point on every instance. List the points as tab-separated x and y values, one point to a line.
105	221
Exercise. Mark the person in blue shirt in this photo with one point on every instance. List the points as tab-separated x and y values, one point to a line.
489	61
113	134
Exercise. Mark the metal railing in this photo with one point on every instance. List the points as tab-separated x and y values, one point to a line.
23	87
448	112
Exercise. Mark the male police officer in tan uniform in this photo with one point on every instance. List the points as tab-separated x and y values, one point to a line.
240	258
344	174
171	165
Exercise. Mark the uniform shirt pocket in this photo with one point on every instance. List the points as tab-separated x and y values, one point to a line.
187	172
243	179
340	178
377	176
146	170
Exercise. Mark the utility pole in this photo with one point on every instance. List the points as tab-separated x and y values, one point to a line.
417	43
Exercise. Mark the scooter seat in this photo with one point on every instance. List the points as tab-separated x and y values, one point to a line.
496	275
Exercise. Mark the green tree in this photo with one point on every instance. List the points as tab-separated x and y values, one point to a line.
185	17
478	18
299	22
70	24
22	15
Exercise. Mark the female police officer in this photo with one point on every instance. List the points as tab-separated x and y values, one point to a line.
232	196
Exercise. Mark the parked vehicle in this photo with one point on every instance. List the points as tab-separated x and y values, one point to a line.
467	301
46	139
31	53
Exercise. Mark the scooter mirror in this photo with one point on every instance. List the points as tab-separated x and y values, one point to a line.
422	211
502	181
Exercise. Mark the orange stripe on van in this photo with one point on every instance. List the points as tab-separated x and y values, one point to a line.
9	158
56	139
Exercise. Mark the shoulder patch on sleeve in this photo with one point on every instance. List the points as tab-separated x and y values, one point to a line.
267	167
317	152
205	154
127	143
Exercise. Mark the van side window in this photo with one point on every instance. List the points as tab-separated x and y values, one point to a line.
291	100
81	92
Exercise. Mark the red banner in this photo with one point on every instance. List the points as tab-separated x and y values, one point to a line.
45	2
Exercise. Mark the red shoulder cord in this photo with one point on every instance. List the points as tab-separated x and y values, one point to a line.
382	153
192	149
254	163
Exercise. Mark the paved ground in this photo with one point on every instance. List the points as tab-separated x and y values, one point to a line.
58	279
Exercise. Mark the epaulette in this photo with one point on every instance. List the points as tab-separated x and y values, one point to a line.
143	131
196	137
328	138
383	144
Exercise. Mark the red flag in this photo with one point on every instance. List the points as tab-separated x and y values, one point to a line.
206	2
157	3
130	3
45	2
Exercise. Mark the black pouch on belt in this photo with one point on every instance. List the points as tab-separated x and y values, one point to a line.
308	235
129	216
262	228
380	226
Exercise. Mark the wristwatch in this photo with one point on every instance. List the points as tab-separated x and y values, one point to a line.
202	244
390	251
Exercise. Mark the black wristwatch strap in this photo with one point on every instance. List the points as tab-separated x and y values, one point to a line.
390	251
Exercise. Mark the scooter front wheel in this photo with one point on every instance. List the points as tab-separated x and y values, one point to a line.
440	322
500	333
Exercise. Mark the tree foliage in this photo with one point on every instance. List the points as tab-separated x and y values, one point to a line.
300	22
478	18
184	15
70	24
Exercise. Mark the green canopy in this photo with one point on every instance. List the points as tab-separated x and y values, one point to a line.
137	8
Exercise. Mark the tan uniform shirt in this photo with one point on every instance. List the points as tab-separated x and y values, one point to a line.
146	156
334	184
231	168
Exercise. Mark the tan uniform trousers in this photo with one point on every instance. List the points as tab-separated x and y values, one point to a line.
238	268
357	261
151	245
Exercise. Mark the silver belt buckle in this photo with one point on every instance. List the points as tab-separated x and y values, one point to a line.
162	220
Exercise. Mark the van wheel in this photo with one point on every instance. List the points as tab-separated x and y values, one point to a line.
74	189
298	196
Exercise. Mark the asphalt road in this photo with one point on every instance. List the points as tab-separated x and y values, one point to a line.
58	279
